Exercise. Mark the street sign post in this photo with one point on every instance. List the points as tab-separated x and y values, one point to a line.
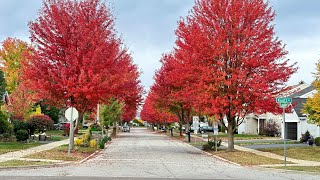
195	124
71	114
284	102
215	133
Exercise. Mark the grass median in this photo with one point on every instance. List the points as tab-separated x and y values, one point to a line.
20	163
311	153
301	168
245	158
6	147
61	153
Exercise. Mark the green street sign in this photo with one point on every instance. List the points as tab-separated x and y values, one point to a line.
284	105
284	100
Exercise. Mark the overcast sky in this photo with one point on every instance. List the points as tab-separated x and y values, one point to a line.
147	27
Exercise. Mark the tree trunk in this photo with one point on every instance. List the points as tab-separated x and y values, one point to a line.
230	135
180	129
74	129
114	132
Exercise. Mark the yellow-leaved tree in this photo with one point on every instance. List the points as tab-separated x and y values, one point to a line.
312	106
12	58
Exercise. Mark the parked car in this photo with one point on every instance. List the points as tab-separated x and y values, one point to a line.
125	128
60	125
85	125
204	129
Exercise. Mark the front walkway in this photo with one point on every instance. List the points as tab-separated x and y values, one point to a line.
18	155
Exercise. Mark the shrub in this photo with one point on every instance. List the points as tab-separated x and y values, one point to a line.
84	140
103	142
211	144
41	123
305	137
19	125
93	143
22	135
78	141
270	129
317	141
95	127
7	137
5	126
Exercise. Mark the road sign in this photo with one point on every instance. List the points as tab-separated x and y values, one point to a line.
284	105
284	100
215	129
195	124
71	113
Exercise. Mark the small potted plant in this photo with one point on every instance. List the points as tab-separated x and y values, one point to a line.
311	141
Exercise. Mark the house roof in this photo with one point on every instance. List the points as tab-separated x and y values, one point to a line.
302	92
298	105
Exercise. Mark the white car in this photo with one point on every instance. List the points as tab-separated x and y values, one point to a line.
125	128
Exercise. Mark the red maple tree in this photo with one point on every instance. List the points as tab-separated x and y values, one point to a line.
239	60
153	115
78	60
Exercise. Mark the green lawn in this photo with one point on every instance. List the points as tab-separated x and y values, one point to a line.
245	158
55	132
18	163
61	153
301	168
304	153
56	135
6	147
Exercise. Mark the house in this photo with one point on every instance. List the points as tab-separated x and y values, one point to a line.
296	122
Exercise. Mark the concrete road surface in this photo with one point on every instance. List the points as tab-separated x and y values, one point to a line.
141	154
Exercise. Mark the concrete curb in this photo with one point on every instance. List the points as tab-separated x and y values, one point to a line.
90	156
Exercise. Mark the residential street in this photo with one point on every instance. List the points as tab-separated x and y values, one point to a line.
144	154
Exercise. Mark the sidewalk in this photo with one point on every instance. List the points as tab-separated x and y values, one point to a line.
18	155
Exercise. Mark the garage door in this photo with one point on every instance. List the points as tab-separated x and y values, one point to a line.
292	130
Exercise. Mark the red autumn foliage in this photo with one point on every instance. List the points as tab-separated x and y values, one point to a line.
77	58
155	116
227	62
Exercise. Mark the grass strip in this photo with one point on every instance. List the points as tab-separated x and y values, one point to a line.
300	168
245	158
311	153
19	163
6	147
61	153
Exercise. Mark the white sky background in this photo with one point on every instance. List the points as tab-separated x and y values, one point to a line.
147	27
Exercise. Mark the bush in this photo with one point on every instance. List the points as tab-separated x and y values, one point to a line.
211	144
5	126
41	123
7	137
95	127
22	135
84	140
104	141
19	125
317	141
93	143
305	137
270	129
78	141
